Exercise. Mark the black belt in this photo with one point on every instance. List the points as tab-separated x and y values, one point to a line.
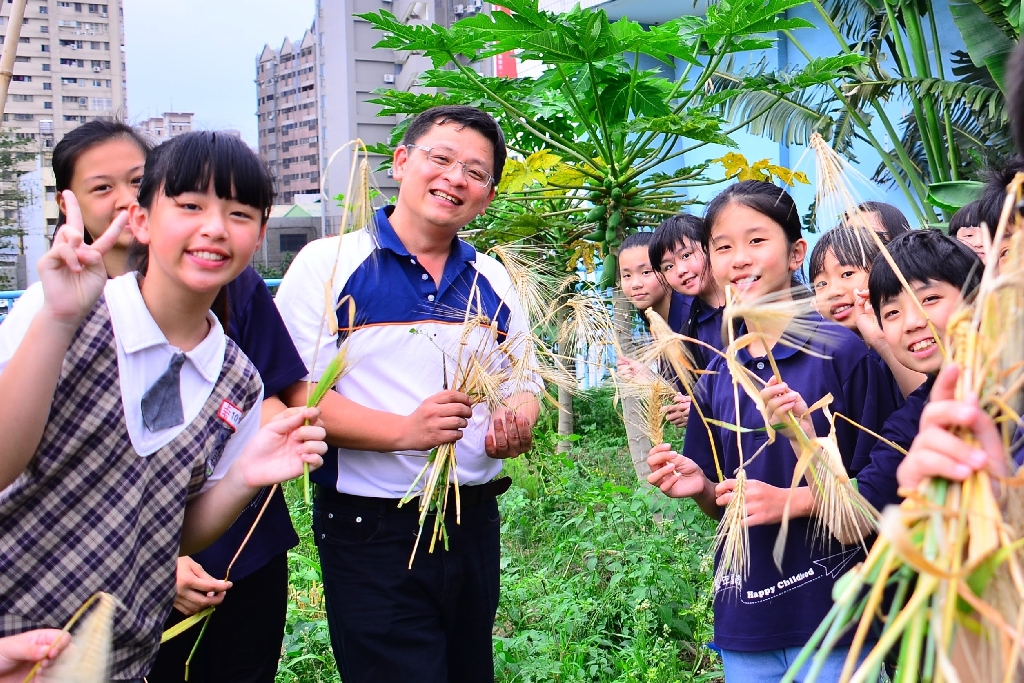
468	496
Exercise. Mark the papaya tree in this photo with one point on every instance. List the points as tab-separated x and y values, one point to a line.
613	135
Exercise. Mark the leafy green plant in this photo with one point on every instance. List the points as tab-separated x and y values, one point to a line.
600	140
594	589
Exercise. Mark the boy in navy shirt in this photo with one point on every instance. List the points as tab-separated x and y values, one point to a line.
675	250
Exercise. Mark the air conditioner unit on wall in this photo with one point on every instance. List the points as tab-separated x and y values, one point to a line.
460	9
389	78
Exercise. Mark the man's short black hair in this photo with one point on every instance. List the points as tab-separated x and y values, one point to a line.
670	233
923	256
464	117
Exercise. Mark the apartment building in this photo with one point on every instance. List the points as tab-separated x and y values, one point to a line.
349	69
171	124
69	67
287	116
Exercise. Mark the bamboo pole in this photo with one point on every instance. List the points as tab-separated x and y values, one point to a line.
11	40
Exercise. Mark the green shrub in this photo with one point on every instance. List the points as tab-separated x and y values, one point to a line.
593	588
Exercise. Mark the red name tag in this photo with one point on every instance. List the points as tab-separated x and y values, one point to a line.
230	414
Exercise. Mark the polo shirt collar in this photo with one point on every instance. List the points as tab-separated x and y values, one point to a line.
797	339
704	311
135	329
388	239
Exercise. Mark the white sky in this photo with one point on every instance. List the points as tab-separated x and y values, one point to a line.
200	56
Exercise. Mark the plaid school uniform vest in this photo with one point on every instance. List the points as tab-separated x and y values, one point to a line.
89	514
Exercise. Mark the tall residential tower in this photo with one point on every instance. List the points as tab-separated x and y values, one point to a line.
286	92
69	68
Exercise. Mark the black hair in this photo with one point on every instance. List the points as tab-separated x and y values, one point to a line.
637	239
670	233
767	199
851	246
78	141
188	163
465	117
968	216
891	218
923	256
997	177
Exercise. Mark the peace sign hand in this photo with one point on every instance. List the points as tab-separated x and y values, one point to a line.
72	272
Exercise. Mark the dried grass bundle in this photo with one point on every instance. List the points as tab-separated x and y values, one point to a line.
952	550
87	658
671	347
483	369
534	279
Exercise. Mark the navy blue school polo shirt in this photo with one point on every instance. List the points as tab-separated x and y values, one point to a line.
877	480
678	312
894	386
705	324
255	325
769	609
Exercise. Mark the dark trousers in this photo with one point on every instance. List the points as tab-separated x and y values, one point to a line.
242	643
429	624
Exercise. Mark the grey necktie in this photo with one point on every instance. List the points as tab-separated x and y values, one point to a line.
161	404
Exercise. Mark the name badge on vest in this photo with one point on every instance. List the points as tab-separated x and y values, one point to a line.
230	414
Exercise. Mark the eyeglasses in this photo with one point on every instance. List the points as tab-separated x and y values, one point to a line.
447	162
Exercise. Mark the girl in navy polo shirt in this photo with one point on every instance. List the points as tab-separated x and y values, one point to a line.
102	162
753	238
645	288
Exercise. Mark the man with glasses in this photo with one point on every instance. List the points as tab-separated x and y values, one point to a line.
410	272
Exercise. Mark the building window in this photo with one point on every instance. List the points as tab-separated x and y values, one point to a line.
22	79
68	81
94	45
21	98
23	59
94	8
43	9
45	47
47	105
46	66
44	29
24	117
47	86
293	242
24	40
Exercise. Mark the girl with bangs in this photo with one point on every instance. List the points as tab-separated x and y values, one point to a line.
839	268
101	162
137	429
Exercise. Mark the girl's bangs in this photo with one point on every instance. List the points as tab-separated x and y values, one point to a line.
236	173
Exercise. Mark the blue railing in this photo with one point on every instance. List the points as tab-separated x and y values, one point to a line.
7	298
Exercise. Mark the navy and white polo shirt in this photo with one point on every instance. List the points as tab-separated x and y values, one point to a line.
404	327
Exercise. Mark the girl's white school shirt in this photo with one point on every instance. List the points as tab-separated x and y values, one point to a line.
143	353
